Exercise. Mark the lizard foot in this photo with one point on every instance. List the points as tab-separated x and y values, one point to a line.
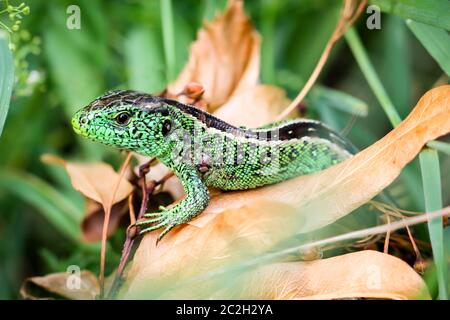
164	219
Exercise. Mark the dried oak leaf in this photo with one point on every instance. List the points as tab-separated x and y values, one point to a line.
92	222
254	106
241	225
363	274
224	58
61	285
171	271
96	181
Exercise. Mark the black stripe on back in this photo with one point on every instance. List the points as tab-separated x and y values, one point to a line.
294	130
314	129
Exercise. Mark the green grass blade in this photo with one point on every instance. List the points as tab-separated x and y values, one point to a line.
435	40
440	146
431	179
6	78
371	76
184	37
339	100
76	75
168	37
269	12
308	45
144	60
447	254
53	206
76	82
324	97
432	12
395	63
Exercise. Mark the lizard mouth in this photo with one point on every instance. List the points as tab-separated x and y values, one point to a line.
76	126
77	121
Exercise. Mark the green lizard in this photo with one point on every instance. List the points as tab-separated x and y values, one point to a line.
204	151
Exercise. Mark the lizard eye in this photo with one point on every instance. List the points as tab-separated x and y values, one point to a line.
167	125
123	118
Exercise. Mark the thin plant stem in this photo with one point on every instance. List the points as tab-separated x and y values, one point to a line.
320	243
371	76
388	235
107	210
348	16
429	164
147	190
168	37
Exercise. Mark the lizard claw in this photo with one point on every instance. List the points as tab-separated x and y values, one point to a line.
156	214
156	221
162	234
148	221
151	228
154	217
150	215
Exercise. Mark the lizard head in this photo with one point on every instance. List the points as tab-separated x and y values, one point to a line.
126	120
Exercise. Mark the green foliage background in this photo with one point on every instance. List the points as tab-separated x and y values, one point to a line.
129	44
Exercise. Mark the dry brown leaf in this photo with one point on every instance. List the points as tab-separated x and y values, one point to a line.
224	58
94	180
171	271
190	250
254	107
92	223
252	222
55	285
363	274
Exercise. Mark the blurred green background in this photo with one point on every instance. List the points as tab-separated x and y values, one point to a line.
127	44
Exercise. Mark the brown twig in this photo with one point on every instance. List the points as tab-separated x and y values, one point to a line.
107	211
396	212
348	16
388	235
147	190
131	230
131	210
419	260
346	130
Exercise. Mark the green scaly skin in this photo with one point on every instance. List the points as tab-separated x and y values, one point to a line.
204	151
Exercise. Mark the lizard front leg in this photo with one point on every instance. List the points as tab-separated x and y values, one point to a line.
196	200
